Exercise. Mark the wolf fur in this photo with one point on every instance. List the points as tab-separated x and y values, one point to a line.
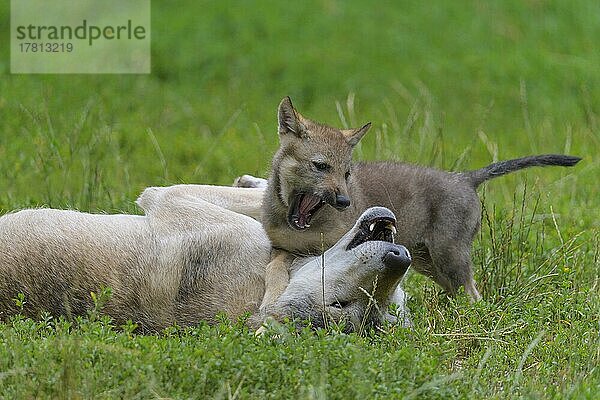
188	258
438	212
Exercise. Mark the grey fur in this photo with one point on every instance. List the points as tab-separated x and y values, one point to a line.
504	167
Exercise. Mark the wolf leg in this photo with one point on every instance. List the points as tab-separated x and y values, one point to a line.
277	277
239	200
452	268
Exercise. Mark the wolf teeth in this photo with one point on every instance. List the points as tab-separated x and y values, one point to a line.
394	230
372	227
297	222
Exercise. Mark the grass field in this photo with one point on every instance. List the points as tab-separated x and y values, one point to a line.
455	85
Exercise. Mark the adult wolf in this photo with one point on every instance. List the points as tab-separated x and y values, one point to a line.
192	255
312	176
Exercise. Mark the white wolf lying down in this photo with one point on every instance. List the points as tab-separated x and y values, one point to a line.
188	258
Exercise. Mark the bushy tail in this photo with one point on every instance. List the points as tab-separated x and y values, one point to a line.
504	167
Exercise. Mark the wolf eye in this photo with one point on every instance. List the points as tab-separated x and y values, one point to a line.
339	304
321	166
347	175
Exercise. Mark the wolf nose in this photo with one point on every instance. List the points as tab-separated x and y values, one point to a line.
398	259
341	202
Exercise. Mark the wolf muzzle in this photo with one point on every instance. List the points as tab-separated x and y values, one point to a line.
398	258
341	202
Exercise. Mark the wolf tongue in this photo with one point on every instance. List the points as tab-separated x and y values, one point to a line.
307	203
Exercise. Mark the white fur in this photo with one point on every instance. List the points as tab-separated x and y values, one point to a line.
194	253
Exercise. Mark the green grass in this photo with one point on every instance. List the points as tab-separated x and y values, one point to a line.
455	85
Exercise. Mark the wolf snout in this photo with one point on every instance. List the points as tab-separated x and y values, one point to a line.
398	258
336	200
341	202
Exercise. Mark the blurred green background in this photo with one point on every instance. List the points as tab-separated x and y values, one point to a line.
450	84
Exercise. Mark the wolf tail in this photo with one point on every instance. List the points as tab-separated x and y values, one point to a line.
494	170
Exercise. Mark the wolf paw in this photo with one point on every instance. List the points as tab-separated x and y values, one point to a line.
249	181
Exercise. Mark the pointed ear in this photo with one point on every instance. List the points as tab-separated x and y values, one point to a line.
353	136
289	118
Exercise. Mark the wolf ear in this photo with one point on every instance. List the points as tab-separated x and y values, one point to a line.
353	136
289	119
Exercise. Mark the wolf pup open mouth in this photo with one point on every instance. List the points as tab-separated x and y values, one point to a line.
302	208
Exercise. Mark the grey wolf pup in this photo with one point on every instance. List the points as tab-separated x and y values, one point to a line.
315	192
191	256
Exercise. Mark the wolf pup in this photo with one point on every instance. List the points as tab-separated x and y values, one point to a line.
315	193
